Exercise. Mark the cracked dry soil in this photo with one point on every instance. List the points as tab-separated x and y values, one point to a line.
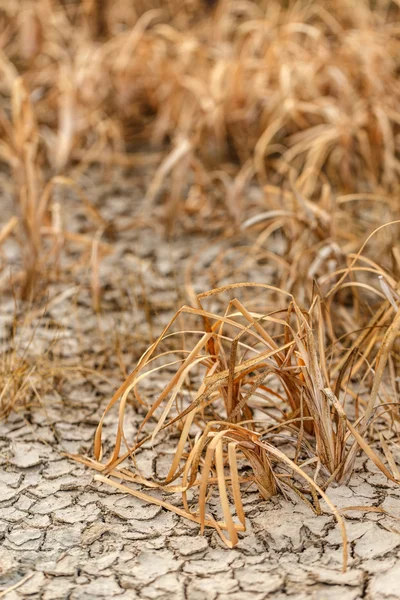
65	536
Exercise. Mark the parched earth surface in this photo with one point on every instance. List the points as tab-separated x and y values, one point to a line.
64	535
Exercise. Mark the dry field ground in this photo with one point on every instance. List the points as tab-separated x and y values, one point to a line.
200	299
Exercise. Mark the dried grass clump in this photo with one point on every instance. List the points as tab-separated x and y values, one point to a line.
277	390
292	242
41	360
28	369
39	197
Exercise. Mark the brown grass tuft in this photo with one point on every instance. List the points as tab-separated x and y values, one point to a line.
276	389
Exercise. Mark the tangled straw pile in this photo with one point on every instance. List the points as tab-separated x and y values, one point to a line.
279	121
292	393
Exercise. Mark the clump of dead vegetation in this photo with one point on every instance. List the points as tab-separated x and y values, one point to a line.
294	392
290	392
276	124
28	368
